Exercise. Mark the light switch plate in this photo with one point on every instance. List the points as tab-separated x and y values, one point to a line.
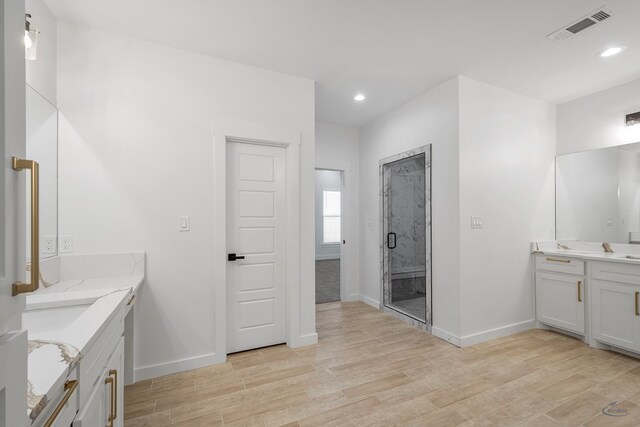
476	222
66	244
184	223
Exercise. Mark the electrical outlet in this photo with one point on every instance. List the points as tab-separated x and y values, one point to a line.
48	245
66	244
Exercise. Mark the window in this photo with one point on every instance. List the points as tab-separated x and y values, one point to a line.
331	217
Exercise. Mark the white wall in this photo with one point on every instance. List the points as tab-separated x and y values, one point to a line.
136	152
337	147
41	73
430	118
326	180
492	156
42	146
507	147
598	120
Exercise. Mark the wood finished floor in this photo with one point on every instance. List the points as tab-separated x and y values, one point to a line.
370	369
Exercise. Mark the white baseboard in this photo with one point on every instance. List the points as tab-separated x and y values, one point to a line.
373	303
449	337
304	340
502	331
483	336
354	297
327	257
154	371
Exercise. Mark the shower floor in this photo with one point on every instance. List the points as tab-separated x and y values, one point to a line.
413	306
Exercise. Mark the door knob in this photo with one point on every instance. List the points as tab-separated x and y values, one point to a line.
233	257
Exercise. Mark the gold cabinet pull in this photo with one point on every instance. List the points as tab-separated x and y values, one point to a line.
69	387
636	298
109	381
566	261
114	372
579	291
20	165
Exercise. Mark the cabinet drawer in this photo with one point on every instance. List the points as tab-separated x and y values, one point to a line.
616	272
560	264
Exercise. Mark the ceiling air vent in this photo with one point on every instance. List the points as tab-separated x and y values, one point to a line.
581	24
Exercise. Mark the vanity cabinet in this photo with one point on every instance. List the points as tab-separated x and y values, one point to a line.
596	298
101	378
615	305
560	301
105	405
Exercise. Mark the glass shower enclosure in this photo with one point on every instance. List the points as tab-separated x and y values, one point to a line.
405	181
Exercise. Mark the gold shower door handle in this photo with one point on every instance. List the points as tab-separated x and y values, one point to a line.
20	165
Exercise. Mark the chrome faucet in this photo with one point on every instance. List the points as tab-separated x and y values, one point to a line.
607	248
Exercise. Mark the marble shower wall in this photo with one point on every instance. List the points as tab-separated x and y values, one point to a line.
407	215
405	209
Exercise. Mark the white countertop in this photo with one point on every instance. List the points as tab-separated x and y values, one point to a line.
591	256
53	354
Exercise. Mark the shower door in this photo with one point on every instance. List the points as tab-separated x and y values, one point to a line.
406	235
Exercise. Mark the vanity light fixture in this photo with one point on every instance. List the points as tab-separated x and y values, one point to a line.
359	97
30	39
614	50
632	119
27	26
631	130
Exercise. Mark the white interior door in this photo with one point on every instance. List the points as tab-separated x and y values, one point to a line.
13	341
256	306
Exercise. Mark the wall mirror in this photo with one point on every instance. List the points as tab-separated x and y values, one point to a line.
42	146
598	195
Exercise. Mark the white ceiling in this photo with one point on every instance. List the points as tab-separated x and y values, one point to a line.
391	50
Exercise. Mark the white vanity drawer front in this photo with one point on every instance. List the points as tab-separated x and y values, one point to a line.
560	264
616	272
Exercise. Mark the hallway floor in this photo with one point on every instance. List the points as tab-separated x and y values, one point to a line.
371	369
327	281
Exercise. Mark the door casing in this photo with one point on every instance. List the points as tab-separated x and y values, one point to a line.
289	139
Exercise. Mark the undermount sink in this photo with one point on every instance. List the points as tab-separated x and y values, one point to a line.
41	320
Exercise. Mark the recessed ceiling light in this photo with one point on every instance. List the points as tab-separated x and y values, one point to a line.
612	51
359	97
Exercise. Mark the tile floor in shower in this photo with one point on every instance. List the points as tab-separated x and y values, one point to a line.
413	306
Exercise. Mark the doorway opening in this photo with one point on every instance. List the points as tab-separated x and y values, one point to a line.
329	232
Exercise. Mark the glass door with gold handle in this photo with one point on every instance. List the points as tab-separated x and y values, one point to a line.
23	165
